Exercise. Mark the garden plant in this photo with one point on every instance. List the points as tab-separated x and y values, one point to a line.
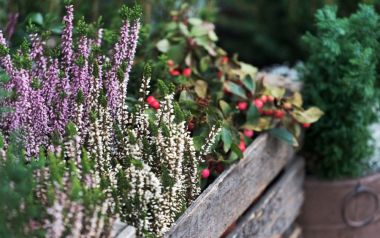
212	87
84	145
340	77
106	161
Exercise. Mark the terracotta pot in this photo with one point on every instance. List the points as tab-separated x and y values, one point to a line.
341	209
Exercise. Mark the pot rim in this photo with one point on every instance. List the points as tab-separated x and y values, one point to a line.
314	181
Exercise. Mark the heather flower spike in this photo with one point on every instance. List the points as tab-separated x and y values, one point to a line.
74	106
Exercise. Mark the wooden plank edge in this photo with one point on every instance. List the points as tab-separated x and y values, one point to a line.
261	220
122	230
216	209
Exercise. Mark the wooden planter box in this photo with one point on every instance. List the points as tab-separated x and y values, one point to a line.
260	196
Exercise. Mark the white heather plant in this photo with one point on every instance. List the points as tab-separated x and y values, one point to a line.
136	164
162	172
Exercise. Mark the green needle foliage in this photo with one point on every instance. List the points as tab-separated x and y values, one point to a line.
340	75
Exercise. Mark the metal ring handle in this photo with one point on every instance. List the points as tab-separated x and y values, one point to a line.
359	189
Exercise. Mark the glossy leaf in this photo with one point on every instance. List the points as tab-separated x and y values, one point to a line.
199	30
226	109
311	115
261	124
296	99
236	150
249	83
252	114
275	91
163	45
201	88
227	139
235	89
37	18
283	134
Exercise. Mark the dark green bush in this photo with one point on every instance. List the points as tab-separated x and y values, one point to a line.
268	32
340	75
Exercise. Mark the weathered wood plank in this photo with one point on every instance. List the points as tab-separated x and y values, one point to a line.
277	209
122	230
224	201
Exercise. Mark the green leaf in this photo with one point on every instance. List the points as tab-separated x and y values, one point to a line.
163	45
311	115
184	30
262	124
177	52
283	134
199	30
205	63
252	114
201	88
248	69
207	44
37	18
195	21
275	91
231	158
226	109
235	89
249	83
57	29
198	142
185	96
212	35
235	149
227	139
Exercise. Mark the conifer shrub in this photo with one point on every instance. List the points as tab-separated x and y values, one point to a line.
339	77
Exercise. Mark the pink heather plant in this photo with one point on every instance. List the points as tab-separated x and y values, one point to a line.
144	163
63	85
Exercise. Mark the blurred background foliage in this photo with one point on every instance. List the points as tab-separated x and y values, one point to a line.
266	32
262	32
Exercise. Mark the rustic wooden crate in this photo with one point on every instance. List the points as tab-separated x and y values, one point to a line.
260	195
277	208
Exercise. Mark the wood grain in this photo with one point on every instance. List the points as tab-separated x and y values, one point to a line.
224	201
122	230
277	209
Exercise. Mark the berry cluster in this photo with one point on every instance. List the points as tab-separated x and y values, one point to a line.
186	72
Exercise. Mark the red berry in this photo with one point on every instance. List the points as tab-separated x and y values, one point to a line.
224	60
190	126
174	18
306	125
205	173
242	106
186	72
269	112
150	99
258	103
242	146
270	98
174	72
155	105
170	63
248	133
264	99
279	114
219	168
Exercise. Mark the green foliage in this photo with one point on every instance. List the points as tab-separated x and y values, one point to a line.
340	74
17	204
131	14
268	32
